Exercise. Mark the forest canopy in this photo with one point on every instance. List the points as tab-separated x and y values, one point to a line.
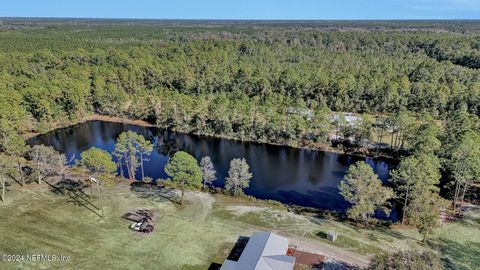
242	79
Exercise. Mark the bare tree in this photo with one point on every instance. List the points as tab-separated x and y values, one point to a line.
239	176
208	171
3	171
47	161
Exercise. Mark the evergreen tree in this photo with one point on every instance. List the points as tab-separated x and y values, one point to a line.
425	212
17	147
132	149
414	176
183	169
145	148
97	161
465	165
364	190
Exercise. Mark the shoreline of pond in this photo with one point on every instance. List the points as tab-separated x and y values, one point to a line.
353	151
301	195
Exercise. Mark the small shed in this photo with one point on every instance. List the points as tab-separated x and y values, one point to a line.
332	236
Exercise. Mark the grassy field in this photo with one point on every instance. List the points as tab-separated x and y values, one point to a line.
38	221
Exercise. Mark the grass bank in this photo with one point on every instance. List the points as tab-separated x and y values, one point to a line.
37	221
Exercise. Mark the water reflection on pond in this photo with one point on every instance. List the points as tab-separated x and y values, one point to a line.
297	176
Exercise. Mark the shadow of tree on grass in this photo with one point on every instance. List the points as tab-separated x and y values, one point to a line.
74	191
154	192
458	255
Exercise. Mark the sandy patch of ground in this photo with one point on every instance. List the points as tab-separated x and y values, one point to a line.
281	220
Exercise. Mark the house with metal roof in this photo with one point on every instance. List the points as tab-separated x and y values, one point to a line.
264	251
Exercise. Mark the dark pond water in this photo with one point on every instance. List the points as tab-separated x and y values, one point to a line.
295	176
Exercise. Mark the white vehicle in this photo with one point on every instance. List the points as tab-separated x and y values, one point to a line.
136	226
144	227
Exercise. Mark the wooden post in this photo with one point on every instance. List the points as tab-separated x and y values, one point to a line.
19	165
100	196
38	172
3	189
99	192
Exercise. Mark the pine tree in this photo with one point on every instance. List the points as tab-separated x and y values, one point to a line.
364	190
183	169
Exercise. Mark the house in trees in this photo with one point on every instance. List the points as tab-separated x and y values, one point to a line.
348	119
307	113
263	251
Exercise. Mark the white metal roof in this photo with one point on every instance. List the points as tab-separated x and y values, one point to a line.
264	251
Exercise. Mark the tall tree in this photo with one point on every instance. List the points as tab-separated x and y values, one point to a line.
425	212
425	139
238	177
457	124
13	116
131	149
17	148
97	161
208	172
340	123
3	178
145	148
320	125
183	169
364	190
414	176
465	165
406	124
364	130
47	161
126	152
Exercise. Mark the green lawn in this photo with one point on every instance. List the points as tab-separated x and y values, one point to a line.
37	221
458	243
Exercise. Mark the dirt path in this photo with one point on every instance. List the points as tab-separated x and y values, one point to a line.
317	247
304	243
329	251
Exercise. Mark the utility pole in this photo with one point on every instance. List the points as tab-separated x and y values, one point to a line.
3	188
99	192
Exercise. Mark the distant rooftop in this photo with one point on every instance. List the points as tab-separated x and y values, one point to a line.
264	251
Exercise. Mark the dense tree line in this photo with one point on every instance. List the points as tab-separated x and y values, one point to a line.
362	72
247	83
281	84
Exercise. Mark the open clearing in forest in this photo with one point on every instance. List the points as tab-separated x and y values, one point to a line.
37	221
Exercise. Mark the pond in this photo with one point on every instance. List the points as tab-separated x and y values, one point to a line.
294	176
